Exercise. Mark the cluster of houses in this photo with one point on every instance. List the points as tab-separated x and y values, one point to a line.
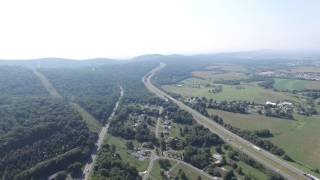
284	104
308	75
137	119
287	74
141	153
166	127
174	145
144	151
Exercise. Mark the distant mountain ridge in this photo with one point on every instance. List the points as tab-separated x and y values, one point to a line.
224	56
60	62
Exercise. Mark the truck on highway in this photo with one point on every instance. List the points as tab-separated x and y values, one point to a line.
256	148
310	176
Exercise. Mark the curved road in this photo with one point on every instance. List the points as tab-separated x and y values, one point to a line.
89	166
264	157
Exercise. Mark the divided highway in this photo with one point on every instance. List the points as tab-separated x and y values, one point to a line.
264	157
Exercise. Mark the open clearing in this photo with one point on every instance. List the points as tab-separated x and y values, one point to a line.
213	76
191	174
306	69
252	172
248	92
175	166
227	67
294	84
156	169
297	137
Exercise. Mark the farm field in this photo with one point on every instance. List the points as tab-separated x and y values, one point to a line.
294	84
212	75
248	92
125	156
297	137
227	67
306	69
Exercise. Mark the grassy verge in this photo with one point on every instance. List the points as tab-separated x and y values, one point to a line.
252	172
191	173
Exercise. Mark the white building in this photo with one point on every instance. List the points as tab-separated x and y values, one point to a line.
271	103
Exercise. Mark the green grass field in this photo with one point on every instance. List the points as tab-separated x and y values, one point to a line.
247	92
125	156
299	138
156	169
293	84
191	173
252	172
306	69
228	67
211	75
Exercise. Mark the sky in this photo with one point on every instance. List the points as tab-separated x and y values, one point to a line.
81	29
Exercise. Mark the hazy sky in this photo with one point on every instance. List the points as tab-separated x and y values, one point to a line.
123	28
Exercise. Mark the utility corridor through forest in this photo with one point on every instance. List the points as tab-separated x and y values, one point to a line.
91	122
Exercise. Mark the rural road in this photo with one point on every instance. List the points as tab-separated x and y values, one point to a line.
264	157
89	165
153	156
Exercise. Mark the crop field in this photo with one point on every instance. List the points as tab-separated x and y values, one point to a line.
213	76
248	92
228	67
306	69
297	137
293	84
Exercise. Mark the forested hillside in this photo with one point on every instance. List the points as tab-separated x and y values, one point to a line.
97	88
16	80
35	128
41	135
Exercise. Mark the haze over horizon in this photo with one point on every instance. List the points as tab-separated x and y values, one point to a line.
82	29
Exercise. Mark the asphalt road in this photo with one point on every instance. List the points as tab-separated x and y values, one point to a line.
264	157
103	132
153	156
